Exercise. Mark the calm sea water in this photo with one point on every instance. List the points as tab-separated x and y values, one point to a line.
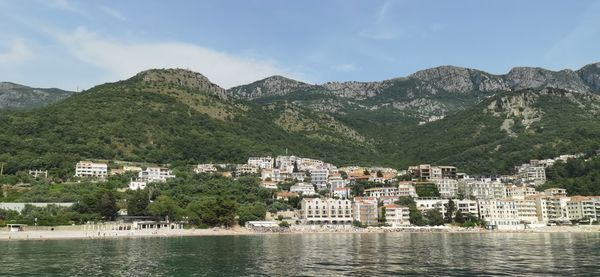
310	255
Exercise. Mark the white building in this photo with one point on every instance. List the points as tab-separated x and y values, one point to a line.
90	169
205	168
137	184
365	210
500	214
261	162
244	169
274	175
379	192
155	174
407	189
581	208
303	189
38	173
531	174
326	211
447	187
484	188
342	192
396	215
319	177
513	191
336	181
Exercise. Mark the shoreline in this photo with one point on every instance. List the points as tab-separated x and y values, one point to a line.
166	233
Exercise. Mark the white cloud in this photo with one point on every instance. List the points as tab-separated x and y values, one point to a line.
345	67
125	59
117	15
17	51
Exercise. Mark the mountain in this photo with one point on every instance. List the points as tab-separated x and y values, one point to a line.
168	116
481	122
14	96
424	96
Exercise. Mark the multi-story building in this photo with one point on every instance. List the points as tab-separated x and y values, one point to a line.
499	214
155	174
90	169
447	187
407	189
483	188
205	168
303	189
365	210
245	169
428	172
261	162
532	174
513	191
319	177
379	192
336	181
582	208
274	175
326	211
342	192
38	173
396	215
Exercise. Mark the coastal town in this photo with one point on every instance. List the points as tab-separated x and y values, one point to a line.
328	196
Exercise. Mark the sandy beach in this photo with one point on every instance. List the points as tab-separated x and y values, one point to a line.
113	234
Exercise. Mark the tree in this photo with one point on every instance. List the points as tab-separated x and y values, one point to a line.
284	224
251	212
107	206
212	211
137	203
434	217
459	218
415	216
296	167
366	172
164	207
450	209
379	173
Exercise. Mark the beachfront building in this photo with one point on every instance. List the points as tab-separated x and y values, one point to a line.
91	169
261	162
303	189
326	211
499	214
582	208
396	215
365	210
155	174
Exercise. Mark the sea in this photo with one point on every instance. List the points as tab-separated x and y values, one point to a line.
387	254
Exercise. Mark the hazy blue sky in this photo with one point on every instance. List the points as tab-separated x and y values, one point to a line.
70	44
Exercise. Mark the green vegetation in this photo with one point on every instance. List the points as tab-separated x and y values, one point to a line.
579	176
204	200
427	190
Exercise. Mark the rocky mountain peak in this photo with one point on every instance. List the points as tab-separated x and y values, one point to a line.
532	77
183	78
272	86
459	79
590	74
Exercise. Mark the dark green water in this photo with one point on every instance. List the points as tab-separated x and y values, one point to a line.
310	255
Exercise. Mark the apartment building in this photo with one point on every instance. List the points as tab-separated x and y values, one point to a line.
155	174
261	162
365	210
396	215
90	169
447	187
379	192
326	211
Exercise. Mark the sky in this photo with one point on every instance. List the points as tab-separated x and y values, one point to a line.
79	44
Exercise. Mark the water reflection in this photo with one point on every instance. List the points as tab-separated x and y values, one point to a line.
310	255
